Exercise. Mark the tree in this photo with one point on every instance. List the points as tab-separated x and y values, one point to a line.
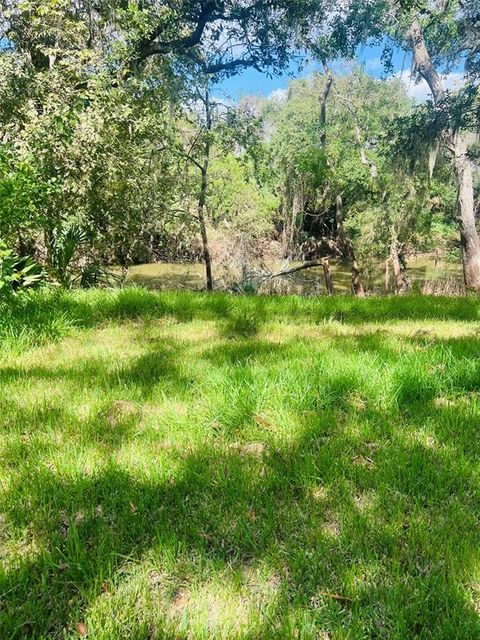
222	36
427	25
203	140
469	32
457	143
110	125
339	164
345	245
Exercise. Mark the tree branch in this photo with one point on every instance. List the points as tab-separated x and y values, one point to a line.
305	265
230	65
323	103
149	47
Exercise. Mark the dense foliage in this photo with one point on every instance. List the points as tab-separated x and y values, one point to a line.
206	465
112	135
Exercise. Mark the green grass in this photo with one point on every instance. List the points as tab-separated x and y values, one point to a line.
208	466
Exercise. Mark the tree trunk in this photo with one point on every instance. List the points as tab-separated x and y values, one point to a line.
323	141
423	63
48	239
402	282
387	275
458	142
202	198
297	213
372	167
328	276
323	103
287	207
348	251
466	213
357	284
203	228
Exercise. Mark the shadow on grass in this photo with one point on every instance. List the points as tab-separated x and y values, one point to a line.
401	560
145	372
206	512
373	515
46	315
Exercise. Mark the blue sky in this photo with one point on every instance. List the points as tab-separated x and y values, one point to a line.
251	82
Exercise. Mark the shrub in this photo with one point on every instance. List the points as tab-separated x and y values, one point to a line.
17	272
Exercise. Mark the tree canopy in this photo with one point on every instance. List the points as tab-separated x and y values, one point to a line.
112	131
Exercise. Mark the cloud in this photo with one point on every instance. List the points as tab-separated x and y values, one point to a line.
373	65
278	95
420	91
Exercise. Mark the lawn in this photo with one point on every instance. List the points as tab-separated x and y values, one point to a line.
181	465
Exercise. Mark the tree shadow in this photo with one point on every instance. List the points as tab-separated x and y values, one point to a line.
50	315
243	352
365	527
158	366
419	536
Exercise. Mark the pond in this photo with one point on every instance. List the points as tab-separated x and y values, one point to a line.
191	276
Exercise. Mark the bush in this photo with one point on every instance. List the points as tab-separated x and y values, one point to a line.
17	272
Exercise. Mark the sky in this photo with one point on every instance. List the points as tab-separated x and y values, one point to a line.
252	82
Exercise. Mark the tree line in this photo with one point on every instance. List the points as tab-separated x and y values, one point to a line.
116	146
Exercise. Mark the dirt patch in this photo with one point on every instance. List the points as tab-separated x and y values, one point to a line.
119	411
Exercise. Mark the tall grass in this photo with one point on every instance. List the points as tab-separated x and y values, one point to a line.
52	313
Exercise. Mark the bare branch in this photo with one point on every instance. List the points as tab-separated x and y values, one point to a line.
150	47
305	265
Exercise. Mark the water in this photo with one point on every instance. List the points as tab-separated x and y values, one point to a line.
191	276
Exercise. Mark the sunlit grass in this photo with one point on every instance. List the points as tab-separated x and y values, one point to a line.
193	466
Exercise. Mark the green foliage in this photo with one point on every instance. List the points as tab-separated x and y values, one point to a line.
17	273
23	194
359	112
413	135
94	274
64	244
295	148
235	198
102	131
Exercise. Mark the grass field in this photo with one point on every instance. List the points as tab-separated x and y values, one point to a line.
190	466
